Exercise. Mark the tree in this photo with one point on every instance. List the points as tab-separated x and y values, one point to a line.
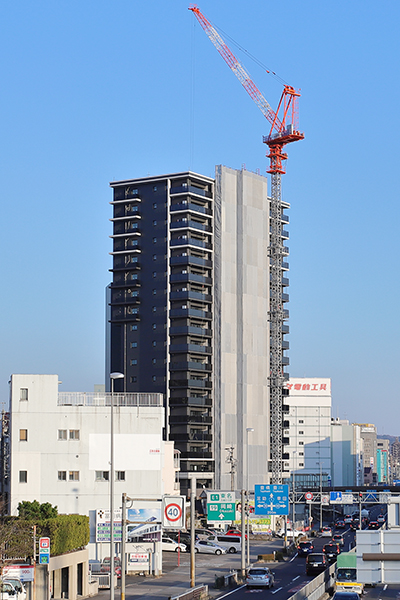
37	511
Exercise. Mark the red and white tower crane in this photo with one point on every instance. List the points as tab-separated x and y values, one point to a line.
283	131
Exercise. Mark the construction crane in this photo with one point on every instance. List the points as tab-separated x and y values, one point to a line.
283	131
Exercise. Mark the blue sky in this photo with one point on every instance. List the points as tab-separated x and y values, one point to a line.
99	91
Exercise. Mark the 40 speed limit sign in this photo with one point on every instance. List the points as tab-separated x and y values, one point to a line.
173	512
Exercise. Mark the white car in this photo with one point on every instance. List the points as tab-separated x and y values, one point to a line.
207	547
326	532
290	533
172	546
17	585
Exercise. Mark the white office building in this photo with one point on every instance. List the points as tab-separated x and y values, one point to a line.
346	453
58	447
308	429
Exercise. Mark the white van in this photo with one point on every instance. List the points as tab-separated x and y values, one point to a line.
17	585
232	543
7	591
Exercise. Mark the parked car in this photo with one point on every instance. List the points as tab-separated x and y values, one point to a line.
203	533
304	548
170	545
106	564
182	537
338	539
207	547
331	551
259	577
316	563
233	543
290	533
235	532
326	531
18	586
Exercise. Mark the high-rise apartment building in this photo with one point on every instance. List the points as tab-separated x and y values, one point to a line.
188	314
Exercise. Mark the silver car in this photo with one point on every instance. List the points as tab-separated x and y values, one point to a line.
207	547
259	577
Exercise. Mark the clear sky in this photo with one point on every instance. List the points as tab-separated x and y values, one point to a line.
99	91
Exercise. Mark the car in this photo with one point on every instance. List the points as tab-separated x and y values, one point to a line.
340	524
182	537
316	562
105	566
345	596
203	533
331	551
374	525
381	518
304	548
207	547
17	585
326	531
170	545
7	591
235	532
259	577
233	543
290	533
338	539
348	519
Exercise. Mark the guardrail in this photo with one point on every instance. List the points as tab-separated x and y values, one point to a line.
318	586
196	593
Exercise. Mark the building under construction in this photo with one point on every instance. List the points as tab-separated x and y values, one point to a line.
190	316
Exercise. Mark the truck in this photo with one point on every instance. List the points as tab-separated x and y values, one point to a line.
346	576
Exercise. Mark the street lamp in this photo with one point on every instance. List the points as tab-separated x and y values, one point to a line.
248	430
294	490
112	567
320	492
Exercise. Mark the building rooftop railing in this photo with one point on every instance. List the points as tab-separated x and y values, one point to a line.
104	399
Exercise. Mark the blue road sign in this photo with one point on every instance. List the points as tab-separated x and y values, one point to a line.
335	497
271	500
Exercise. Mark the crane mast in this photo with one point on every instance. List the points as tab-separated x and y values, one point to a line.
284	130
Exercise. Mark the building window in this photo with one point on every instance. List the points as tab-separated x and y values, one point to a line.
135	294
62	475
154	223
154	343
154	190
134	276
154	256
133	327
154	360
23	394
301	443
102	475
154	308
154	274
73	476
301	432
154	326
74	434
154	240
301	453
133	362
119	475
301	421
301	464
23	435
62	434
154	378
154	292
23	476
135	243
134	379
133	344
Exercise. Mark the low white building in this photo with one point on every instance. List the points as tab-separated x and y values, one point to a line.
347	454
309	429
59	447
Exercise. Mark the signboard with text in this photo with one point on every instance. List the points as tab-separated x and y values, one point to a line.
221	506
271	499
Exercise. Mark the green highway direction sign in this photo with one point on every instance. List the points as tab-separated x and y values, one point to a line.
221	506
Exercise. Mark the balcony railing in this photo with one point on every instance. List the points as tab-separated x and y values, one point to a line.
104	399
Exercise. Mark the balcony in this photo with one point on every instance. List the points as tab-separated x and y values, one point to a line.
190	400
191	189
190	295
186	348
191	242
285	328
189	467
285	297
285	345
199	454
190	366
191	329
190	419
188	224
190	312
182	206
285	234
190	277
285	361
190	383
193	437
190	260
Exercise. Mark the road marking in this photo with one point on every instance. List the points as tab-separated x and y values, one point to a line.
292	559
274	592
232	592
296	578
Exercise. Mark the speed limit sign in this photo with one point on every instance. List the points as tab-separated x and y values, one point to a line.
173	512
308	496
